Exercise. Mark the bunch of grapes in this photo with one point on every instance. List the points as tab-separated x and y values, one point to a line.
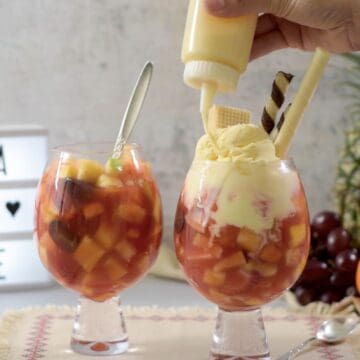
329	275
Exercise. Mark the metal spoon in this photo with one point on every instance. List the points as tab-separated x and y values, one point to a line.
133	108
330	331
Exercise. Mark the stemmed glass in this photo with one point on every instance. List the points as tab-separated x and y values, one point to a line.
242	238
98	225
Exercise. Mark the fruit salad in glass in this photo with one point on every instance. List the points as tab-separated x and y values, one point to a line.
98	227
241	233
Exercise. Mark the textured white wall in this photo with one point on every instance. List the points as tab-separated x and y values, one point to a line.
70	65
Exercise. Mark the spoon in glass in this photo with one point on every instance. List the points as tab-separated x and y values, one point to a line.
133	109
330	331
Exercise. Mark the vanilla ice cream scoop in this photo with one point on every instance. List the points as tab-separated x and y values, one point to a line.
231	137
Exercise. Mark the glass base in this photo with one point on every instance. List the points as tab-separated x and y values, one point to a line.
239	335
99	328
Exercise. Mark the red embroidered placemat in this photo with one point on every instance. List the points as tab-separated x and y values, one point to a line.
155	333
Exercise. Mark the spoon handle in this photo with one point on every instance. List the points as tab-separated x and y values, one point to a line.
133	108
296	350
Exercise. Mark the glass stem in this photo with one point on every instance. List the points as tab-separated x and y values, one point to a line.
239	335
99	328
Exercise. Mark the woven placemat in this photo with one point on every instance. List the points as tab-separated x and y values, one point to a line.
157	333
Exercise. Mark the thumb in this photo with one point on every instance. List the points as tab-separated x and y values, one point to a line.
241	7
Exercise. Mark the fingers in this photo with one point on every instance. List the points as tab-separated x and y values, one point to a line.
241	7
265	44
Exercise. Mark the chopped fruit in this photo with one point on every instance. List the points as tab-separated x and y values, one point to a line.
249	240
194	219
67	170
218	297
144	264
105	181
50	213
157	213
270	253
292	256
105	235
300	267
201	241
125	249
113	166
88	253
232	261
43	253
83	242
228	236
297	235
264	269
93	209
114	270
148	191
62	236
253	301
133	234
89	170
214	278
130	212
216	251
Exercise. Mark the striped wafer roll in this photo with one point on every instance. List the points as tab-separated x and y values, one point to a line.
274	133
276	100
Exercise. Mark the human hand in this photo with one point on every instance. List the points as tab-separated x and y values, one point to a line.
333	25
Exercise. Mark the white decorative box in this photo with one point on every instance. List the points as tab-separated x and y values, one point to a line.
23	156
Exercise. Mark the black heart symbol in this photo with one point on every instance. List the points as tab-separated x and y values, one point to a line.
13	207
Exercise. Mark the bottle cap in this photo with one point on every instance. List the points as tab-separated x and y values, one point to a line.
198	72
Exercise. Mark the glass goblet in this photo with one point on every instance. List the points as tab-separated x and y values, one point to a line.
242	238
98	225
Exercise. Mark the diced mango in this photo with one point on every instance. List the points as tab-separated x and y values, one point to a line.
253	301
297	235
131	212
43	254
49	213
214	278
67	170
88	253
105	181
270	253
114	269
157	213
125	249
89	170
249	240
105	236
143	264
201	241
216	251
293	256
93	209
263	268
232	261
218	297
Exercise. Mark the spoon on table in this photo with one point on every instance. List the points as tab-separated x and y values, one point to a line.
133	108
330	331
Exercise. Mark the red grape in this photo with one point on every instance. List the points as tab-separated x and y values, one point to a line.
331	296
337	241
351	291
323	223
315	272
304	295
347	260
341	279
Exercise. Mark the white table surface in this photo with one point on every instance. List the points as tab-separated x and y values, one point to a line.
151	291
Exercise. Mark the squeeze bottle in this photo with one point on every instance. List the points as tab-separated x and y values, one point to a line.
215	51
